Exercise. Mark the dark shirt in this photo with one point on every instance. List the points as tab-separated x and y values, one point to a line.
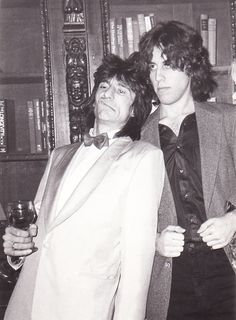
183	164
198	271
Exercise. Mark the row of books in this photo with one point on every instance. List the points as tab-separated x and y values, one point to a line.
208	33
23	128
125	33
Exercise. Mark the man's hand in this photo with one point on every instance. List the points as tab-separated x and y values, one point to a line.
218	232
170	242
19	242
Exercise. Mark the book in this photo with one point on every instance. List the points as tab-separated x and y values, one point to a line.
37	125
3	126
43	118
30	109
11	126
22	129
135	33
120	41
125	40
130	34
148	25
113	36
204	29
141	23
2	213
212	40
152	19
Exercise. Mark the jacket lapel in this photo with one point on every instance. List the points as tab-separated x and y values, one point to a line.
90	181
209	130
150	130
166	212
60	163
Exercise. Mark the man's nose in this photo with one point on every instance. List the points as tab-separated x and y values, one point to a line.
159	74
108	92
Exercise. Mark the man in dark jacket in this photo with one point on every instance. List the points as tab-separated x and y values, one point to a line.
193	276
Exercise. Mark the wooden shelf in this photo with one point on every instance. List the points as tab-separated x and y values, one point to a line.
23	157
222	69
19	78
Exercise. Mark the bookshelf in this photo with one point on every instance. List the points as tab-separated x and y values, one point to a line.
25	74
187	11
22	79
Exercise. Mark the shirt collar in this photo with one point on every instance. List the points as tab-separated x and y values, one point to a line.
110	134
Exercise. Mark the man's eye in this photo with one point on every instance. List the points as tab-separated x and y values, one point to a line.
152	66
122	91
103	85
166	66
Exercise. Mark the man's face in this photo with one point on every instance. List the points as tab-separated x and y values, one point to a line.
113	102
170	85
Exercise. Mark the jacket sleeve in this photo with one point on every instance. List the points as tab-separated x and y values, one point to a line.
37	202
138	236
42	185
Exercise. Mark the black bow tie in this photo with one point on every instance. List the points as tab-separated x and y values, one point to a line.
99	141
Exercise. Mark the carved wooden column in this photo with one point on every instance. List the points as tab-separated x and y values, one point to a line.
76	65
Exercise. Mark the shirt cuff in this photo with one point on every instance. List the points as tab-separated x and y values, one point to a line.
15	262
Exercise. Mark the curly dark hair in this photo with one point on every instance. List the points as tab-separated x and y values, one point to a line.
129	72
182	46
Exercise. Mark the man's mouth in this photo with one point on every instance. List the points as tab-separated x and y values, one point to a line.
162	88
106	104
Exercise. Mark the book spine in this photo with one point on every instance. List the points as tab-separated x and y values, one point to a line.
212	40
141	23
11	126
37	121
204	29
43	118
135	33
30	108
113	36
152	19
120	42
3	133
148	25
125	40
22	129
130	34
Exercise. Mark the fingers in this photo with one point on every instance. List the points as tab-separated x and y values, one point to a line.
216	232
16	232
204	228
172	252
177	229
171	241
19	242
33	230
17	253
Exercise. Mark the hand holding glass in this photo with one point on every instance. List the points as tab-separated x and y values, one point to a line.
21	214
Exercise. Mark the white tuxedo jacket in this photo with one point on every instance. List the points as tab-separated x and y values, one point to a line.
95	258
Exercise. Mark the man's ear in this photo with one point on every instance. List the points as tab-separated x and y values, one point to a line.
132	112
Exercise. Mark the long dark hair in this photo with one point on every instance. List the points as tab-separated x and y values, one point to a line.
182	45
129	72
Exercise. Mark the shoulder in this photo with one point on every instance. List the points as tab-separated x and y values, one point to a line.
225	109
152	119
140	148
60	151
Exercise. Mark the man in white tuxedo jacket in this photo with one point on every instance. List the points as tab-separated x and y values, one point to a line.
97	214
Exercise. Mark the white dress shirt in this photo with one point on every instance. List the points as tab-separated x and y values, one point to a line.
82	161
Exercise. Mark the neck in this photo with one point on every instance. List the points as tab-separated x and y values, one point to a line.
103	127
184	106
173	115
